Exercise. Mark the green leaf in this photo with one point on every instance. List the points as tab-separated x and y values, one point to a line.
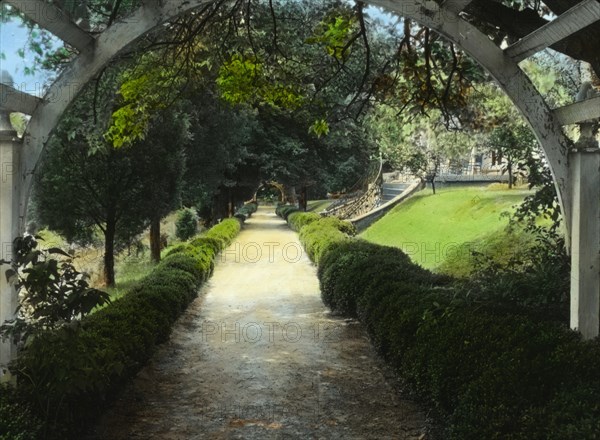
59	251
11	275
319	128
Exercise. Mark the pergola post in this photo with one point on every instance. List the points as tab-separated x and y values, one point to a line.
584	169
10	148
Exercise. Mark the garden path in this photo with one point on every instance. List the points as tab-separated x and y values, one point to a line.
258	356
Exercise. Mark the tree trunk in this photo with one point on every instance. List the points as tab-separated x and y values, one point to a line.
109	253
303	199
510	175
291	195
433	185
155	240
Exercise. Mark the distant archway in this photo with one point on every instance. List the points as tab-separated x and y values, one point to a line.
280	188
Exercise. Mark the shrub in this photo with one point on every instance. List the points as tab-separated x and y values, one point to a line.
297	219
17	421
572	414
341	225
527	266
66	375
211	242
317	237
493	369
250	207
284	211
394	314
541	275
224	232
246	211
186	225
350	267
280	207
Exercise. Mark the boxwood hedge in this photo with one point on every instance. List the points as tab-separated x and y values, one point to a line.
298	219
317	234
284	210
491	370
320	235
64	377
246	211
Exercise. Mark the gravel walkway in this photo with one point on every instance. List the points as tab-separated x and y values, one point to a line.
258	356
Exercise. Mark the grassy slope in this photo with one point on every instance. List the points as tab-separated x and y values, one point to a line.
430	228
318	205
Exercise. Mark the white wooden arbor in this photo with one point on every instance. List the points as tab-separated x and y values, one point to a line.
576	169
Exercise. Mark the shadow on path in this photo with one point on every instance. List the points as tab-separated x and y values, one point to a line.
258	356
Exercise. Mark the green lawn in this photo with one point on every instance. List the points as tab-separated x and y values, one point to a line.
129	269
318	205
433	228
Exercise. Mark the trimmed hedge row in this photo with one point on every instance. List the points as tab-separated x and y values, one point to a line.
372	265
284	210
298	219
223	233
246	211
67	375
493	371
317	233
318	236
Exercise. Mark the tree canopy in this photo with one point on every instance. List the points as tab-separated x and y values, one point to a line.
306	93
85	185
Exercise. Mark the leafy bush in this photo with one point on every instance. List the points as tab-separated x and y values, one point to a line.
284	211
573	413
224	232
493	369
498	246
52	293
241	217
297	219
213	243
186	225
17	422
350	267
249	208
319	236
541	275
246	211
526	364
280	207
524	265
192	262
67	374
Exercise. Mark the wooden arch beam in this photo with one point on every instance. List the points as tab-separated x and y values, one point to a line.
14	100
579	16
55	20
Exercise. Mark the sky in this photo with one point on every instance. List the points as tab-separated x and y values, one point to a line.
13	37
